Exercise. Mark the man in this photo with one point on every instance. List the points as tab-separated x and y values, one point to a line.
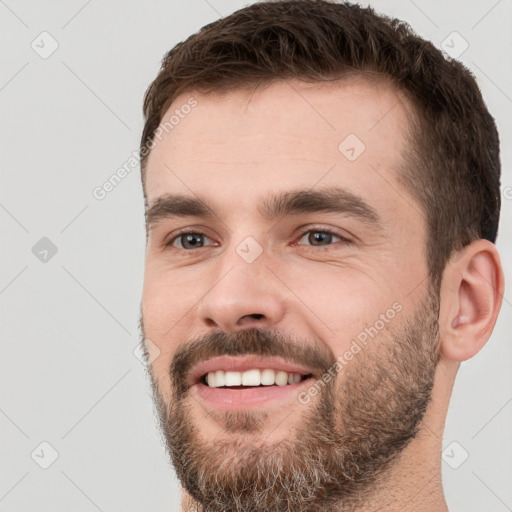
322	202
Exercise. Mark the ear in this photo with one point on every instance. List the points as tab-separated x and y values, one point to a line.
471	297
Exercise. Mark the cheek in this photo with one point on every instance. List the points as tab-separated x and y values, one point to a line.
166	296
345	304
162	307
156	306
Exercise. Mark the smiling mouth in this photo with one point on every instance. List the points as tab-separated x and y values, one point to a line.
250	379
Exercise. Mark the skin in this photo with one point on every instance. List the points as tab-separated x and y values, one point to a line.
249	143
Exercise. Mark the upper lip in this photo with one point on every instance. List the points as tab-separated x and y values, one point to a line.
243	363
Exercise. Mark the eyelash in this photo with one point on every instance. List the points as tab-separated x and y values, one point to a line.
343	239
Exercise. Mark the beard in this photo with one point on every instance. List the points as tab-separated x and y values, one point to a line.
338	449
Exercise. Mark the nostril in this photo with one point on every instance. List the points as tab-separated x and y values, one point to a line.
247	320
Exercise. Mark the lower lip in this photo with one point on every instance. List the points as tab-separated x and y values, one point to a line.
230	399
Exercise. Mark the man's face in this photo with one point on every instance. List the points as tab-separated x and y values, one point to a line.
309	259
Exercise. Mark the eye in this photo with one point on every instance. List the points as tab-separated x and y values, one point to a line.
321	237
187	240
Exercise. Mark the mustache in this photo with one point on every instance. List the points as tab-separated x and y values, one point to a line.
253	341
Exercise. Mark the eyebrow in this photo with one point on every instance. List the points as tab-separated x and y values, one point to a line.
295	202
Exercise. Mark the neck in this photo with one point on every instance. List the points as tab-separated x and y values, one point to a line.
413	484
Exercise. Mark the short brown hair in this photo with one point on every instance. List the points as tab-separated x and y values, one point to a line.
452	166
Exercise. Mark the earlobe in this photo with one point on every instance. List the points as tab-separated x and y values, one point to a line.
471	298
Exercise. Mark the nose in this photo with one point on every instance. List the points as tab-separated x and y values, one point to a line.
242	295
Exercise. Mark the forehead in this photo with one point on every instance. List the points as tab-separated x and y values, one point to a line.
286	135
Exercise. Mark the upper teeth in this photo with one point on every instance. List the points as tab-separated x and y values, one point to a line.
266	377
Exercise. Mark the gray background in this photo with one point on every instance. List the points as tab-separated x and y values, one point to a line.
69	326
